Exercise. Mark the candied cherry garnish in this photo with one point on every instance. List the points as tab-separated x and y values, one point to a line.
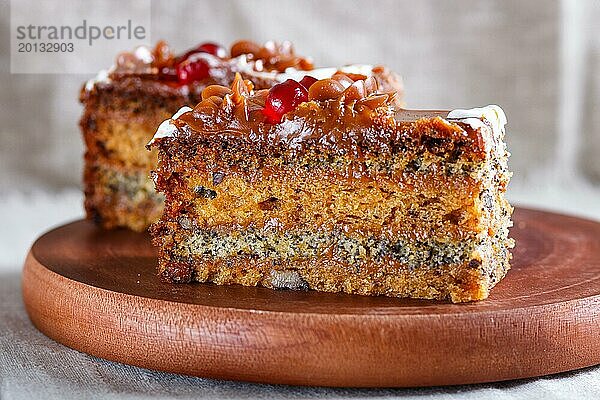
213	48
192	69
283	98
307	81
209	47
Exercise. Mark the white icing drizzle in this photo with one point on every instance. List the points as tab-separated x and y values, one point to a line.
144	54
255	69
324	73
167	128
476	118
101	77
360	69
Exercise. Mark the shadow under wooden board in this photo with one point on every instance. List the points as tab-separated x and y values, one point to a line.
96	291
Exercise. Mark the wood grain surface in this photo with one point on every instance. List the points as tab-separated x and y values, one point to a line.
96	291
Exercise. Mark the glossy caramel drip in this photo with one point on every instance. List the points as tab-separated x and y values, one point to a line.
272	56
240	107
342	117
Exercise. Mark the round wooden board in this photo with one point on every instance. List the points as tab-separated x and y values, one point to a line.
96	291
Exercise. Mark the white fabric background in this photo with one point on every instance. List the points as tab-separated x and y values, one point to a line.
539	60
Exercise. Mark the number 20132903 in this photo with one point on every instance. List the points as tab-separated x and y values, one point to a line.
45	47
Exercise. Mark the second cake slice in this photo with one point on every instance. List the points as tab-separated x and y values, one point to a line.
125	105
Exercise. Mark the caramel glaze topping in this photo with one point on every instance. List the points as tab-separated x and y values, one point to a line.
341	117
272	56
157	71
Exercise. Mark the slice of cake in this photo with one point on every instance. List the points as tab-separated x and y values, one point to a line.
328	185
124	105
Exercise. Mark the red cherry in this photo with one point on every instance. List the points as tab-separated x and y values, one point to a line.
211	48
283	98
307	81
192	69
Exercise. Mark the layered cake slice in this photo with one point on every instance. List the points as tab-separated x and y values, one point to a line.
328	185
124	105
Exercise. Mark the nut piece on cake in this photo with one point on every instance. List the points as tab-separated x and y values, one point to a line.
124	105
333	187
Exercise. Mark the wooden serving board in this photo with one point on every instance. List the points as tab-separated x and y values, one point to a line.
96	291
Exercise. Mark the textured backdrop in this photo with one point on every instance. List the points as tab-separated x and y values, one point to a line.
539	60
